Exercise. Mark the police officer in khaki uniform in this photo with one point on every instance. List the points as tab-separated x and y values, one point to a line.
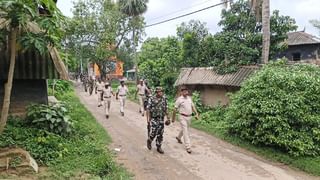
121	95
185	108
141	91
106	96
99	86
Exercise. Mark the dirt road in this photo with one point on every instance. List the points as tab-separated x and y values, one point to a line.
211	159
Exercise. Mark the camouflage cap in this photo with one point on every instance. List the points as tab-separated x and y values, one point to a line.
159	88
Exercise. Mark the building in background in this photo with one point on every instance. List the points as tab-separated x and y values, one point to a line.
301	47
213	87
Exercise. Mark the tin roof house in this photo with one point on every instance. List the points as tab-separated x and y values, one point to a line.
32	70
213	87
301	47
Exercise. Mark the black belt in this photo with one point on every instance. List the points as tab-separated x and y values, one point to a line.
99	90
122	95
107	97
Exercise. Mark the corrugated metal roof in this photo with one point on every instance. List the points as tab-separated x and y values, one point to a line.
300	38
207	76
29	65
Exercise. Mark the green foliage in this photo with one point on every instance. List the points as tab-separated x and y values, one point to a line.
84	151
44	146
52	118
60	86
19	14
240	41
192	35
160	61
98	30
279	107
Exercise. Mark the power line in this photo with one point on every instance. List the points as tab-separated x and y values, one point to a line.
177	17
180	10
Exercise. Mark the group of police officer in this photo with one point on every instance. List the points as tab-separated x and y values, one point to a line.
153	105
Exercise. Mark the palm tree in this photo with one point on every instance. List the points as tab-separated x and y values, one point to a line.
133	8
19	18
260	7
263	7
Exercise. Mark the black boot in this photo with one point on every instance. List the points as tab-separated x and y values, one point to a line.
159	149
149	144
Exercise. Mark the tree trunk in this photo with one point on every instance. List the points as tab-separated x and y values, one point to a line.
265	30
8	84
135	53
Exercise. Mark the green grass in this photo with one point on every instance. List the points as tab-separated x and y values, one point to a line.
84	157
83	154
310	165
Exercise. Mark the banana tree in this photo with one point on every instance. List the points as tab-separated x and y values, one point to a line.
22	22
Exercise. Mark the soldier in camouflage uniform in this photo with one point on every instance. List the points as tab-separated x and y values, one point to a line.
157	109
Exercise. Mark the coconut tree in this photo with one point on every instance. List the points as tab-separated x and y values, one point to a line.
261	8
133	8
21	21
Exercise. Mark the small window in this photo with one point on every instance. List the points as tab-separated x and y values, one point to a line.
296	56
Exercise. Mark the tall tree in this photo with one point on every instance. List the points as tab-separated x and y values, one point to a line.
262	12
239	42
192	35
134	8
18	19
97	30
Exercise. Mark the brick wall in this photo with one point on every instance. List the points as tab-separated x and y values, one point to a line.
25	92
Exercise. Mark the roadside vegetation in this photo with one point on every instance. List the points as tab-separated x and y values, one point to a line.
65	139
275	114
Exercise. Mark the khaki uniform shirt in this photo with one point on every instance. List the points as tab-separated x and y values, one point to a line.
184	105
100	86
122	90
107	92
141	89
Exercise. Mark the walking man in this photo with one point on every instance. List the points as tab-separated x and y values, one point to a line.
185	107
99	86
157	109
141	90
121	95
106	96
91	84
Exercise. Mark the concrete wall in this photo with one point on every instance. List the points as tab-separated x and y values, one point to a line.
212	95
25	92
311	51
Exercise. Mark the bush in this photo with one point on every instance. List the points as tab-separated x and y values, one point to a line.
44	146
52	118
279	107
60	86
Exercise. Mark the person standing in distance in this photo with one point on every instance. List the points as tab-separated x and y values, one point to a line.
106	97
157	109
121	95
185	108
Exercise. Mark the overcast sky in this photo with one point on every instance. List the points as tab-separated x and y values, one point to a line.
158	10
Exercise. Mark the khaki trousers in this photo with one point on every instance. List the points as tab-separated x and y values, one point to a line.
122	100
99	97
141	101
185	123
107	103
